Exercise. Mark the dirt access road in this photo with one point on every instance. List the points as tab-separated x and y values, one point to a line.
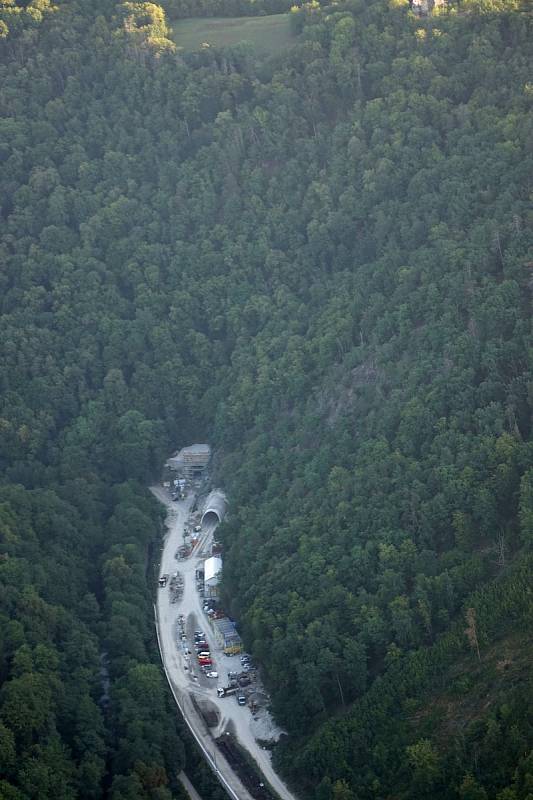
191	689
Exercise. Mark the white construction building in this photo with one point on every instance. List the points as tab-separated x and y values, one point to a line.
212	574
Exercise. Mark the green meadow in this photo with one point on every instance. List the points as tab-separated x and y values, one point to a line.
269	35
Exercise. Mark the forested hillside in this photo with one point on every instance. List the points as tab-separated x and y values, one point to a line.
321	264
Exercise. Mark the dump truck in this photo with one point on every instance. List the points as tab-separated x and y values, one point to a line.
225	691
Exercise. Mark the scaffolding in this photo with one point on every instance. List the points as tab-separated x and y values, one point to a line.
191	461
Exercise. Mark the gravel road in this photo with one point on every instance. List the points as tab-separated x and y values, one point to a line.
182	670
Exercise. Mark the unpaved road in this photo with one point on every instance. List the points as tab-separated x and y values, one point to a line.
185	678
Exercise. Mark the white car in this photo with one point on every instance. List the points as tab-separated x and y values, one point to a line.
211	674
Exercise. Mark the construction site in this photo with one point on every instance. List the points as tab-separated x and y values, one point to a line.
216	685
190	462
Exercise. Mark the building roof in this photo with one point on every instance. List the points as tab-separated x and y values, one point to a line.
196	450
198	454
212	568
224	625
227	630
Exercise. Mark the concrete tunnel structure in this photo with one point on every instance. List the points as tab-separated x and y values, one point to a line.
215	508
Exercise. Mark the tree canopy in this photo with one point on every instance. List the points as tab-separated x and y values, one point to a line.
320	263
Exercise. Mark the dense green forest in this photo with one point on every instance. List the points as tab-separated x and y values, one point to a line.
321	263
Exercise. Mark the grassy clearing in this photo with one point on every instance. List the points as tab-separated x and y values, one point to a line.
269	35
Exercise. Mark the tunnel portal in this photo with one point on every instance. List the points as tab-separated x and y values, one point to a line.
215	508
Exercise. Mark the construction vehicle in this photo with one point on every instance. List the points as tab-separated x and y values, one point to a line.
225	691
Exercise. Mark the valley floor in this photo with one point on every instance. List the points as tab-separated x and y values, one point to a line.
192	690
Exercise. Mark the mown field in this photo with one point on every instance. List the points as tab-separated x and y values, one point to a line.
270	34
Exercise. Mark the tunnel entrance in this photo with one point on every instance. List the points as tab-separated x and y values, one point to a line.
211	517
215	508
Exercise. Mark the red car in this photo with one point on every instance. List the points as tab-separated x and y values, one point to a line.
205	662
